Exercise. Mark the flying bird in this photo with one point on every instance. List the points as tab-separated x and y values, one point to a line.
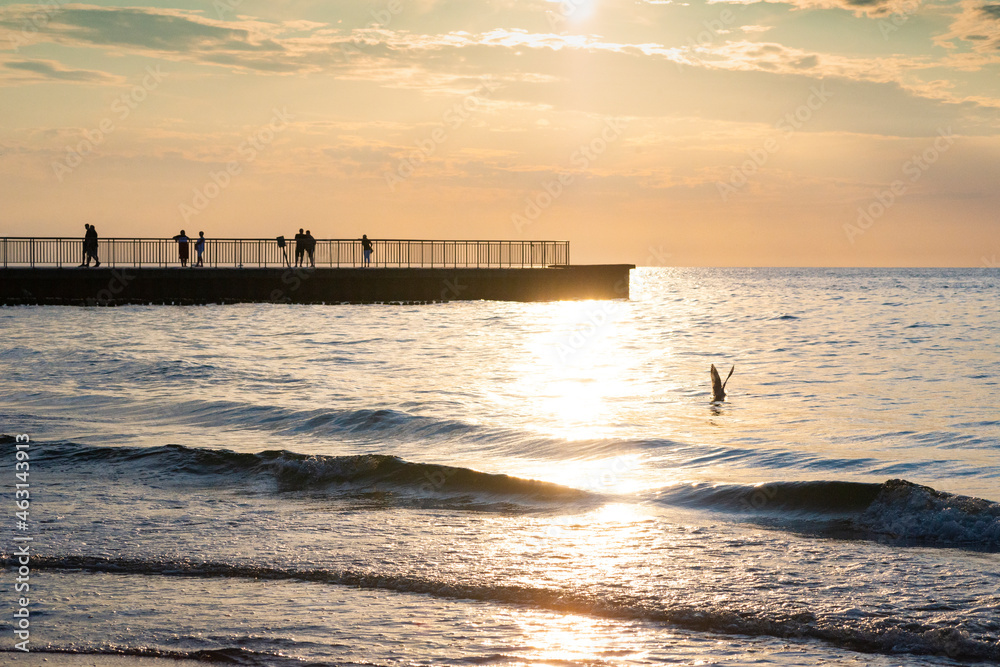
718	386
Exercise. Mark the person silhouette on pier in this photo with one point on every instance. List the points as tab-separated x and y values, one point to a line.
90	246
182	247
366	245
310	247
199	247
86	241
300	247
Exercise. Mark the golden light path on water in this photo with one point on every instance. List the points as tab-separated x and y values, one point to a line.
579	375
573	639
586	373
579	372
569	552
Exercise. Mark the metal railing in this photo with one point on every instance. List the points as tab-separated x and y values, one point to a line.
395	253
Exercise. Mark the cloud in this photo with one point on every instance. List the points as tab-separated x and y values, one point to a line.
546	70
175	33
44	70
143	28
868	8
977	24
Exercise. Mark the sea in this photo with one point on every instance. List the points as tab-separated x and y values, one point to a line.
496	483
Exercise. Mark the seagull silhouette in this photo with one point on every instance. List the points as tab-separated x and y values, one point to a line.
718	386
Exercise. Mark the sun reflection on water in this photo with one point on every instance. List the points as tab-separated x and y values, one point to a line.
575	639
577	376
572	553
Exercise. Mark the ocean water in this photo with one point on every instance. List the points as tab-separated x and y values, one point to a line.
483	483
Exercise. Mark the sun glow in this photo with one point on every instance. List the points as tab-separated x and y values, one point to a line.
577	380
570	12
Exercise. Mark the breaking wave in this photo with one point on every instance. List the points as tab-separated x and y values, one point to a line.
290	471
869	634
897	509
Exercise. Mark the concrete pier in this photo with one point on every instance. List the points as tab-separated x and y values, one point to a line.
129	285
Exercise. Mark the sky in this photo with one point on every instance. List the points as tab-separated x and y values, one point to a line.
653	132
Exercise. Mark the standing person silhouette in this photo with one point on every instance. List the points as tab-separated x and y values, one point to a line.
182	247
300	247
199	247
310	247
90	246
366	245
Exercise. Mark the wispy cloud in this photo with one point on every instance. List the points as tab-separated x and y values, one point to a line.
868	8
978	25
47	70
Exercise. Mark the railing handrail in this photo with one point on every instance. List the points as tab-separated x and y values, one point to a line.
244	252
272	239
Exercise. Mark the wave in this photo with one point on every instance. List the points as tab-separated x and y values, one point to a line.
318	422
382	424
870	634
370	427
291	472
910	512
807	497
364	425
897	510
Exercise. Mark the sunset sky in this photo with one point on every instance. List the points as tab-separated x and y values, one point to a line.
800	133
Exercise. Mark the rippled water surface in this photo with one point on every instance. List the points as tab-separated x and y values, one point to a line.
507	483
